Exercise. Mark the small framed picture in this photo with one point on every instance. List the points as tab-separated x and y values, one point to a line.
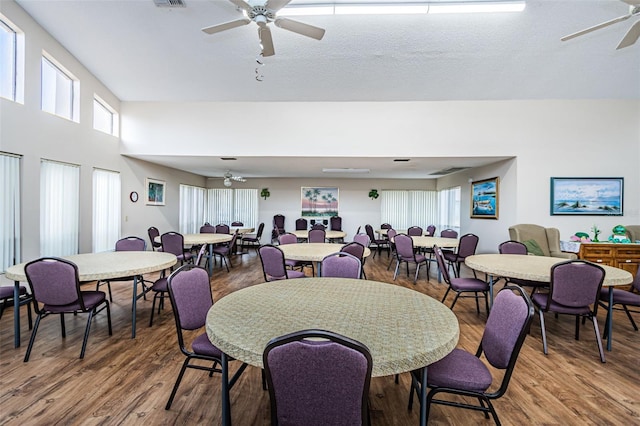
155	192
485	197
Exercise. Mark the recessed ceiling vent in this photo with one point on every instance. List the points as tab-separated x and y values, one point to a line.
169	3
448	171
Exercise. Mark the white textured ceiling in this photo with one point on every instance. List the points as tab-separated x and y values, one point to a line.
145	53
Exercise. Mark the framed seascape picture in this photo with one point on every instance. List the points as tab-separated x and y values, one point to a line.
155	192
319	201
587	196
485	196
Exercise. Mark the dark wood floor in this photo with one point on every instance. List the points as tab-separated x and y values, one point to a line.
125	381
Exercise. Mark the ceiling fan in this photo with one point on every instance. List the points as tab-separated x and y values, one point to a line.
262	13
632	35
228	177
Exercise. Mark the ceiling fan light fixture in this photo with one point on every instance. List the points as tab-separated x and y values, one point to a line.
227	182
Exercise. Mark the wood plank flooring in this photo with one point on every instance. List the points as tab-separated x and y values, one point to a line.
124	381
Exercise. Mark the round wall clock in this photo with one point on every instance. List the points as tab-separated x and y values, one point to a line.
133	196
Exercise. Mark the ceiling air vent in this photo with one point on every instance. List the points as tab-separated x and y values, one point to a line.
448	171
169	3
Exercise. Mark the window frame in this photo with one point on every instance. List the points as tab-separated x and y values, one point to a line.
101	105
16	62
74	89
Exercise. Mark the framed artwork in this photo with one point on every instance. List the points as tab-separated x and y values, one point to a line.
319	201
485	197
587	196
155	192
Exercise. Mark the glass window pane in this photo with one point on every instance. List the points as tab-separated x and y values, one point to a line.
57	90
102	118
7	62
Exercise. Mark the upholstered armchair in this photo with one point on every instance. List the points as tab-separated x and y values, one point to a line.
633	232
548	239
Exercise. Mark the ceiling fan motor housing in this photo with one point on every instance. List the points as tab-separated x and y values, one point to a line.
261	14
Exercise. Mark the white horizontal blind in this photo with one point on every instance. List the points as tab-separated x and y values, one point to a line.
246	207
106	209
191	208
59	208
403	209
9	211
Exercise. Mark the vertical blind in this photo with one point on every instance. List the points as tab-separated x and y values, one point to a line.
232	205
191	208
59	208
9	211
403	209
245	206
106	209
449	210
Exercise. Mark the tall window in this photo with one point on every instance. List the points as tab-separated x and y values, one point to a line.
59	90
106	209
59	208
9	210
231	205
11	61
191	208
105	118
449	207
403	209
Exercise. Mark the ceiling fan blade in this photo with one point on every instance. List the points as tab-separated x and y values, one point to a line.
596	27
242	4
631	36
300	28
266	41
226	26
276	5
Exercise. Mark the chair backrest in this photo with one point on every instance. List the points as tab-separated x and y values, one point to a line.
341	265
260	229
414	231
272	258
287	238
355	248
191	298
207	228
636	282
278	222
173	242
201	252
548	239
237	224
131	244
221	228
358	230
53	282
506	329
391	236
153	233
316	236
319	226
336	223
404	247
317	382
449	233
362	239
431	230
301	224
467	245
576	283
385	226
368	229
442	266
512	247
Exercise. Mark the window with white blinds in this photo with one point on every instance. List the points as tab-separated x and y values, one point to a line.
59	208
449	210
192	202
232	205
106	209
9	210
402	208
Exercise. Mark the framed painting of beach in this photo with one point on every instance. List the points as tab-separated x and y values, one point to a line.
485	196
319	201
587	196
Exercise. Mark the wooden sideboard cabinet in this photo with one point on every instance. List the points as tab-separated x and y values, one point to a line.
623	256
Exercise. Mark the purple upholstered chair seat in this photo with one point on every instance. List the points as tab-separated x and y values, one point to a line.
621	297
184	257
540	299
90	299
469	284
419	258
459	370
160	285
290	274
7	291
202	346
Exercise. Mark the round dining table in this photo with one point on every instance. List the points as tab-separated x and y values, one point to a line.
404	329
204	238
538	268
313	252
99	267
329	234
